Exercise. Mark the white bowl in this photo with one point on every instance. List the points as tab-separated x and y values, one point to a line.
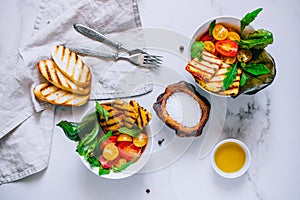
204	27
132	169
238	173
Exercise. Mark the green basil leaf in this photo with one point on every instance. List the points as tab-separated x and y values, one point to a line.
249	17
211	27
243	79
94	162
196	49
257	69
130	131
230	76
103	171
102	112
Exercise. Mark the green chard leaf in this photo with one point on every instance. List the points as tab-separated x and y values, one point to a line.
256	69
249	17
230	76
211	27
243	79
103	171
102	112
258	39
196	49
134	131
94	162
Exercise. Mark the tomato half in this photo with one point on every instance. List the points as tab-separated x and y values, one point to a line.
112	139
207	37
141	140
227	47
106	164
128	150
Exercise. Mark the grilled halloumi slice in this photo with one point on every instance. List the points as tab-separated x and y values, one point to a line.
211	76
129	111
143	116
54	95
115	119
206	68
50	71
72	66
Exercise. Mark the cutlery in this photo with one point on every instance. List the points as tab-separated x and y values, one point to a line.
95	35
139	59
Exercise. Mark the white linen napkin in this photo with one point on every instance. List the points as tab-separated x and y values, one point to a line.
26	124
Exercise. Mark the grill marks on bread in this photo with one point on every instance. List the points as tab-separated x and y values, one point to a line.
50	71
57	96
72	66
71	79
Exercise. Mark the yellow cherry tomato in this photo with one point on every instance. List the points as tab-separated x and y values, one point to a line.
244	55
141	140
220	32
233	36
229	60
124	138
110	152
209	46
121	162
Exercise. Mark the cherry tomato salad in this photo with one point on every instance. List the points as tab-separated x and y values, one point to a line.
236	48
106	139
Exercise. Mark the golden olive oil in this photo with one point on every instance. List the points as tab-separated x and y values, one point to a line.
230	157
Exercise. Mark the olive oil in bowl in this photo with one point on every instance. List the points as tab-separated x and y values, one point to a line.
230	158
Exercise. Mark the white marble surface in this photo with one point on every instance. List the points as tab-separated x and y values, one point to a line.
266	122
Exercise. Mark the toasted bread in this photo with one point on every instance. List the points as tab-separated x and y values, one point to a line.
50	71
72	66
54	95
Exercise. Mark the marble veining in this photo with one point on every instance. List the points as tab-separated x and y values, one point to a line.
250	123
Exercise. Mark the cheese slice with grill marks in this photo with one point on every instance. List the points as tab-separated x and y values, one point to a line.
210	73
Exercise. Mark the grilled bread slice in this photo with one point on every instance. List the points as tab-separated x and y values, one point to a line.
115	119
54	95
50	71
143	116
72	66
129	111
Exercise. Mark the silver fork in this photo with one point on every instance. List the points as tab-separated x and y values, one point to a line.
139	59
93	34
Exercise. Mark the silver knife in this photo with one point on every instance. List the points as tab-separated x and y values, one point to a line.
95	35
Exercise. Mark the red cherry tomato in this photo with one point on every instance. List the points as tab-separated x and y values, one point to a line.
227	48
207	37
112	139
105	163
108	164
128	150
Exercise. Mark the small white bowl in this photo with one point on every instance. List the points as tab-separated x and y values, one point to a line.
235	174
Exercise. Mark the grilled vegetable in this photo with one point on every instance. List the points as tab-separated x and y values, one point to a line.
143	115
